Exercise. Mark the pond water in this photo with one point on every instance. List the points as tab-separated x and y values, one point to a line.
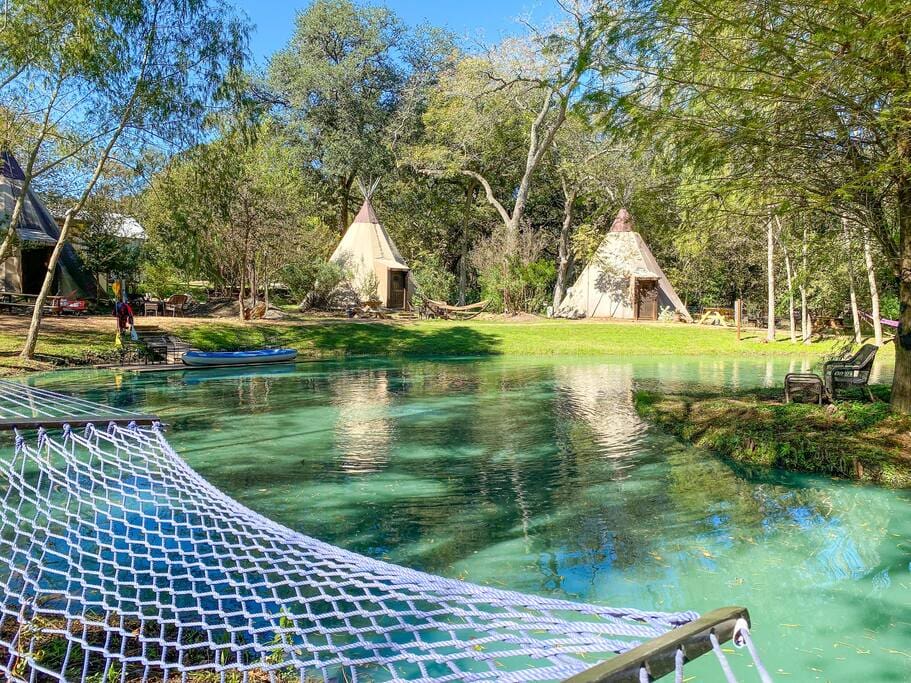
538	475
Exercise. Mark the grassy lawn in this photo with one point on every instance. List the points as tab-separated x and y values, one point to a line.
854	440
485	337
66	341
88	340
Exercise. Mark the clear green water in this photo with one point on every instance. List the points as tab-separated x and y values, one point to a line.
537	475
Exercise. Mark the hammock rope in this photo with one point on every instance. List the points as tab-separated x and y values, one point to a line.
117	559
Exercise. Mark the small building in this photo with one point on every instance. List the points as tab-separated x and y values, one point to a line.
37	233
375	266
623	280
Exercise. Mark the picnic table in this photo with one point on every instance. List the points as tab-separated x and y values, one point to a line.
13	302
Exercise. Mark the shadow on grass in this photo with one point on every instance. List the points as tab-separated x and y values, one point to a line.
355	339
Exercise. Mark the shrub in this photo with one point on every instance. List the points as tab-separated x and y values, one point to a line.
160	278
889	306
433	278
514	277
316	284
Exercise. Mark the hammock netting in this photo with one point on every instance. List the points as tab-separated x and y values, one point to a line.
118	562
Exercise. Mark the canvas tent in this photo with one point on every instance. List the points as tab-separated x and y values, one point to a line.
622	281
37	233
375	265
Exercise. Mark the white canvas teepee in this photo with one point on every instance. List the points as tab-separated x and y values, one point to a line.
623	280
375	266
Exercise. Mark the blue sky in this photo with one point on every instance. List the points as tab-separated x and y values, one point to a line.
489	19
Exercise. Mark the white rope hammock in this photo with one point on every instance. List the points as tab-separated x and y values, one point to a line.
117	560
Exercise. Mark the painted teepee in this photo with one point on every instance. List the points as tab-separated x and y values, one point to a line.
376	269
623	280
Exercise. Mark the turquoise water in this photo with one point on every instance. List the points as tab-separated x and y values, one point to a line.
537	475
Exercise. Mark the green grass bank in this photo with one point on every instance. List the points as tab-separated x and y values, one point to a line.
482	337
852	440
90	340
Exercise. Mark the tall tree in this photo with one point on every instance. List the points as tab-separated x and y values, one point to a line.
352	81
810	97
789	274
53	75
770	276
852	291
236	210
525	84
168	59
874	288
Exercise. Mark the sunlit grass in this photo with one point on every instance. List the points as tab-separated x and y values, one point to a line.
546	338
90	340
850	439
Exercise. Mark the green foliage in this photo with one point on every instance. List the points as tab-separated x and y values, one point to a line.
340	76
235	206
889	305
105	252
354	81
585	241
434	280
314	283
368	288
528	286
160	278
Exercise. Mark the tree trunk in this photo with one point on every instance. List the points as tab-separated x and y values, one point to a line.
463	255
9	239
243	276
254	283
770	334
901	383
849	255
874	289
463	266
31	339
806	325
792	320
265	282
241	292
564	248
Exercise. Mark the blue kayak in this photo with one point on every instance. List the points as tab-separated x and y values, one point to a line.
216	358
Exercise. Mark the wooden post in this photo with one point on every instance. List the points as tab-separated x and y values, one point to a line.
738	315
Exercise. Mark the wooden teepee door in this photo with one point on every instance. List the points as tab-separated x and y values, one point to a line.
646	299
398	281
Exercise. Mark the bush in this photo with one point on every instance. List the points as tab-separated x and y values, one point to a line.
316	284
529	286
889	306
514	277
161	279
433	278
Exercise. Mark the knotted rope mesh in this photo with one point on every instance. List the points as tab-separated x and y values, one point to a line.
119	563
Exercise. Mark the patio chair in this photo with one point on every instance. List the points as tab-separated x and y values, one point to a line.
851	372
176	304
